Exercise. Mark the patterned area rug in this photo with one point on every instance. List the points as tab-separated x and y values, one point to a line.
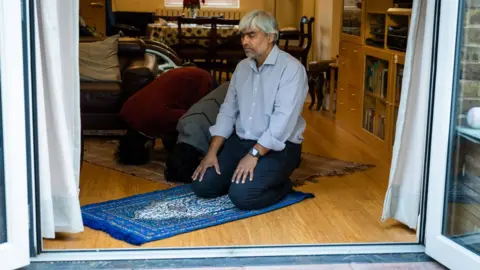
101	151
161	214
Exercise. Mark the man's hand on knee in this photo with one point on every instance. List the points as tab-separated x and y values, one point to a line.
210	160
248	163
245	169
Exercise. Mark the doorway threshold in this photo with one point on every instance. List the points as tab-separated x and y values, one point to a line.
226	252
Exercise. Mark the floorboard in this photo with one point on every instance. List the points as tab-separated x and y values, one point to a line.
346	209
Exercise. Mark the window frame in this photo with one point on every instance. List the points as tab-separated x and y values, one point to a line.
14	252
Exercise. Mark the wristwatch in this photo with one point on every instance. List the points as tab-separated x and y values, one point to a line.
254	152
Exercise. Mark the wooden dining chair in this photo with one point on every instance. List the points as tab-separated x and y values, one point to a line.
192	45
228	52
304	39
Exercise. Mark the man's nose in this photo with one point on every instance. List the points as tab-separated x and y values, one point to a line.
244	41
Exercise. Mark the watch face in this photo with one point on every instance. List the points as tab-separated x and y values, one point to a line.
254	152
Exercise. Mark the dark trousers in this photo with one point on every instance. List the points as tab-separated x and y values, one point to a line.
271	177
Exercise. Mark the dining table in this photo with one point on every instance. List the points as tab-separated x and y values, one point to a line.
167	32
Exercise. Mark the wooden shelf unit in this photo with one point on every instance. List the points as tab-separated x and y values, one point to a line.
370	70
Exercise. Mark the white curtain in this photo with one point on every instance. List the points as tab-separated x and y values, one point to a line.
58	114
403	198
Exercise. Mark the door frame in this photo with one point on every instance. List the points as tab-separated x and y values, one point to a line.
437	245
15	252
241	251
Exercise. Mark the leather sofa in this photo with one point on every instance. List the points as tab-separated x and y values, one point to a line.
100	102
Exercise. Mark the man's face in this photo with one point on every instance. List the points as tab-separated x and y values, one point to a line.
255	42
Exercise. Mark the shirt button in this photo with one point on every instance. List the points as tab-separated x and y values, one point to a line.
250	118
253	104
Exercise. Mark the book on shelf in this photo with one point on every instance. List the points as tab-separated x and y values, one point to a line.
370	79
381	126
384	84
369	119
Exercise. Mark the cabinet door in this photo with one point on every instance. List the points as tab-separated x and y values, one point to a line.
355	66
354	108
343	78
376	91
351	63
342	103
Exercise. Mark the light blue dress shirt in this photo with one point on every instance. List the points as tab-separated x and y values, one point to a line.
265	104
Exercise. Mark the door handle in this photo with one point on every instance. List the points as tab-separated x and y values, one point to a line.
96	4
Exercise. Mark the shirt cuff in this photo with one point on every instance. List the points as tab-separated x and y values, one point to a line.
270	142
217	130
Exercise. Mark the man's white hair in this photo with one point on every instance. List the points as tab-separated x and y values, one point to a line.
261	20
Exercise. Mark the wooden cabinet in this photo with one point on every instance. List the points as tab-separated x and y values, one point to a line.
354	108
370	70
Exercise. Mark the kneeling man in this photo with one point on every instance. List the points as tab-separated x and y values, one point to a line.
257	137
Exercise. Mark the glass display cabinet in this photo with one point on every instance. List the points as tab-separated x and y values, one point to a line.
376	111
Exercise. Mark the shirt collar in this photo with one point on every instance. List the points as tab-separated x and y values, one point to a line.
271	58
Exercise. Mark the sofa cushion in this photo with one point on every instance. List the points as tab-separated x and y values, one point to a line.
105	100
99	60
155	109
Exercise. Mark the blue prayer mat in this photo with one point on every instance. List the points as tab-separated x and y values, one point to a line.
161	214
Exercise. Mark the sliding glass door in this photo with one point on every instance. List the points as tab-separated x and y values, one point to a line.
453	212
14	233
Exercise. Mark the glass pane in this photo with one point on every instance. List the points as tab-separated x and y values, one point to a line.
374	102
352	17
3	214
397	32
462	206
375	33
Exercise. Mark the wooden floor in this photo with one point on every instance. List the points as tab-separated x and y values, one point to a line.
346	209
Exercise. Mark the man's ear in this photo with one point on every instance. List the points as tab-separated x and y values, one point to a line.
271	38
